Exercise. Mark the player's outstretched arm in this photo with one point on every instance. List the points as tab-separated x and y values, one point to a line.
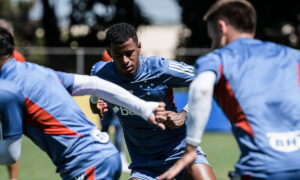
189	156
84	85
200	99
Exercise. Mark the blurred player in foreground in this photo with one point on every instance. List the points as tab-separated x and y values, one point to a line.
152	151
54	121
13	169
11	117
109	118
8	26
257	84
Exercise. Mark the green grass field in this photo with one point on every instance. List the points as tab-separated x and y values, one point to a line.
221	150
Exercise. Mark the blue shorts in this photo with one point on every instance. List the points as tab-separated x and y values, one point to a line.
152	173
110	169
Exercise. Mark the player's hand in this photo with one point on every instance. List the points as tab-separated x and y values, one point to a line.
175	120
187	159
156	121
102	107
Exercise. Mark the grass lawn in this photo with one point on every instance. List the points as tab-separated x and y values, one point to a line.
220	148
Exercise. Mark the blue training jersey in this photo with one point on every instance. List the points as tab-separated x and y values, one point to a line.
53	120
148	145
258	88
11	110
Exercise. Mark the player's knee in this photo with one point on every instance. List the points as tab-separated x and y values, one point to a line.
134	178
200	171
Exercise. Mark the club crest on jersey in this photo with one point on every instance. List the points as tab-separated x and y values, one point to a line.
285	141
100	136
123	111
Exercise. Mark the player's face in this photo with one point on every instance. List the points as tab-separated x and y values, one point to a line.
126	57
215	35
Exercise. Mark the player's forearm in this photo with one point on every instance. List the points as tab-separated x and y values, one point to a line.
84	85
10	151
200	99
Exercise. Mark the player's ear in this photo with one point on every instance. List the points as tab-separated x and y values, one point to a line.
223	26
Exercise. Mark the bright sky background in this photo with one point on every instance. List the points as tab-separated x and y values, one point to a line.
161	11
158	11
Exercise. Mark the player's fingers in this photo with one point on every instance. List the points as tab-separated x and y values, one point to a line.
170	124
160	107
161	126
154	121
100	101
161	118
102	104
161	113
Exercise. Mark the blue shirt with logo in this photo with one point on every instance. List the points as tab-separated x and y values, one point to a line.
258	88
54	121
148	145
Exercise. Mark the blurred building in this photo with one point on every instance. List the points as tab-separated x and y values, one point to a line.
160	40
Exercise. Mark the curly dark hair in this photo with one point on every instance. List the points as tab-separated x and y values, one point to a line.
120	33
7	44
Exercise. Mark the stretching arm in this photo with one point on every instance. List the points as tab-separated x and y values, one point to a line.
200	100
85	85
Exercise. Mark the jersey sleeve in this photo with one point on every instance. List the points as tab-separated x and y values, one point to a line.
176	74
67	80
96	67
209	62
11	115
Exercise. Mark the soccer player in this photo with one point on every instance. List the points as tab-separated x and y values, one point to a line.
257	84
54	122
152	150
11	115
109	118
13	169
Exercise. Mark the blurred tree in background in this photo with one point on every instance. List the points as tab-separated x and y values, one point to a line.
278	21
86	24
17	14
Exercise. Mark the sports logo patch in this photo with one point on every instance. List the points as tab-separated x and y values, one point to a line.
100	136
123	111
285	141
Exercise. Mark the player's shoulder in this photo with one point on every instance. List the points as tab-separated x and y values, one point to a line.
8	85
101	66
163	65
9	88
154	62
